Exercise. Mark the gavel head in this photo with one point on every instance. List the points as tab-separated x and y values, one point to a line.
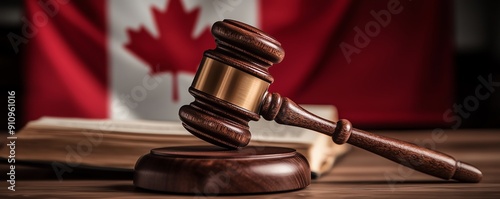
230	84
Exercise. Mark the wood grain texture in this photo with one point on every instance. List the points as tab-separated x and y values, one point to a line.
358	175
285	111
213	170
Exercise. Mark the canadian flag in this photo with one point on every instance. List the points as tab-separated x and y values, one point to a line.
379	62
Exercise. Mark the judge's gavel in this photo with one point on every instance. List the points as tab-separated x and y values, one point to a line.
230	89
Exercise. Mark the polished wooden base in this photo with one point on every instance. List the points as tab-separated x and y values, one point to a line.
211	170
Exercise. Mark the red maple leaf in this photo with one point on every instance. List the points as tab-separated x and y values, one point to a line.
174	50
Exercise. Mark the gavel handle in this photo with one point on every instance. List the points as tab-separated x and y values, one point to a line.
285	111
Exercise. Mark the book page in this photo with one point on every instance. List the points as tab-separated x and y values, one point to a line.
262	130
105	125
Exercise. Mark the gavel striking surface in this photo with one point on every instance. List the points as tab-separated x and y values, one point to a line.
215	170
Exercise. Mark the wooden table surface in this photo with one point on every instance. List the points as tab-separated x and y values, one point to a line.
359	174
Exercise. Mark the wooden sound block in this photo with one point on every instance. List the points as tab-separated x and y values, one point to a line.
211	170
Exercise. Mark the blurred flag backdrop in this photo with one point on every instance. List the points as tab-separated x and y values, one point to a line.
386	62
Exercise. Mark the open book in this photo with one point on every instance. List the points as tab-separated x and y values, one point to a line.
118	144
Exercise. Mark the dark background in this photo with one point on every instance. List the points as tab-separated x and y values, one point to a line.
477	52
